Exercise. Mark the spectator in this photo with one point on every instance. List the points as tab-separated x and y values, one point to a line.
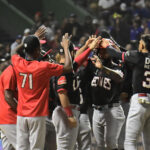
16	43
73	27
88	26
120	30
135	31
26	33
52	22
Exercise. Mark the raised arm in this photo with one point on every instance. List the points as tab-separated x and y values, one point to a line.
85	46
68	61
40	33
78	61
128	56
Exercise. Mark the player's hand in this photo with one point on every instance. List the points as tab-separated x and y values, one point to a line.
97	62
95	43
105	43
40	33
65	41
72	123
89	41
116	47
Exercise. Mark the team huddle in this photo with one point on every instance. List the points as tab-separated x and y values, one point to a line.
73	83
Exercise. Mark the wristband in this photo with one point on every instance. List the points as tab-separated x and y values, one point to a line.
68	111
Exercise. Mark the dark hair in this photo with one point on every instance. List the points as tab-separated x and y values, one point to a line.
146	39
31	43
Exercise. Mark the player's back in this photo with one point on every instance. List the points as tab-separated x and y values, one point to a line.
141	74
33	85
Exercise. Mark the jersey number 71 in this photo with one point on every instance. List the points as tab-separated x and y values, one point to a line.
25	78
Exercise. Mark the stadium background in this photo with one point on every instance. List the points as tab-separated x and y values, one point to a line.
125	20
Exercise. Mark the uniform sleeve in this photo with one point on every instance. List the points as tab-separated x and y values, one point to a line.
55	69
9	80
130	56
15	59
61	84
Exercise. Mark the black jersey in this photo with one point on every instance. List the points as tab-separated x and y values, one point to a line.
103	89
84	88
70	84
141	70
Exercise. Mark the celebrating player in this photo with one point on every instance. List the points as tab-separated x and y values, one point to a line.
66	117
33	90
139	112
8	107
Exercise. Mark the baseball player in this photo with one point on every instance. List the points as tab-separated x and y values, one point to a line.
126	93
139	112
67	88
33	90
8	108
84	132
108	117
50	138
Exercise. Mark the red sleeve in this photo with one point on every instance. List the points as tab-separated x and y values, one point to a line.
61	84
55	69
82	57
123	56
15	59
9	79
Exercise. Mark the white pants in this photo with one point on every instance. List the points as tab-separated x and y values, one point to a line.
50	139
107	125
31	133
84	133
66	137
125	106
8	136
138	121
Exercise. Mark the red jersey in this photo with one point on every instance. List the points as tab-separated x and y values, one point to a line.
7	81
33	78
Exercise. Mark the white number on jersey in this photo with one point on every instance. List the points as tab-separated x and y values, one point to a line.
146	83
101	81
25	78
76	84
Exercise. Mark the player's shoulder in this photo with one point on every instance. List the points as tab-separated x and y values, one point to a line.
61	80
132	53
7	70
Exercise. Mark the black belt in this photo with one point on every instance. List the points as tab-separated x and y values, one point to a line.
102	107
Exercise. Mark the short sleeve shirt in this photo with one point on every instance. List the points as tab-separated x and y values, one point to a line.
7	81
33	79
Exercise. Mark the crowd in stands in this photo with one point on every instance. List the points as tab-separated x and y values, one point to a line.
125	20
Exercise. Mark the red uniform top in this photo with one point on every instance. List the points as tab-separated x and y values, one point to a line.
7	81
33	85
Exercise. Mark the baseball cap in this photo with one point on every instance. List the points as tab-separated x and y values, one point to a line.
19	36
27	30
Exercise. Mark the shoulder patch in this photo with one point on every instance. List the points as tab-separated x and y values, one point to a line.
62	80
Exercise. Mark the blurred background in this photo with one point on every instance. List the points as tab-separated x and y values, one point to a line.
125	20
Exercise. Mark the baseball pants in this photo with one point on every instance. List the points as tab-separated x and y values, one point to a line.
84	133
107	124
125	106
50	139
31	133
138	121
66	137
8	136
